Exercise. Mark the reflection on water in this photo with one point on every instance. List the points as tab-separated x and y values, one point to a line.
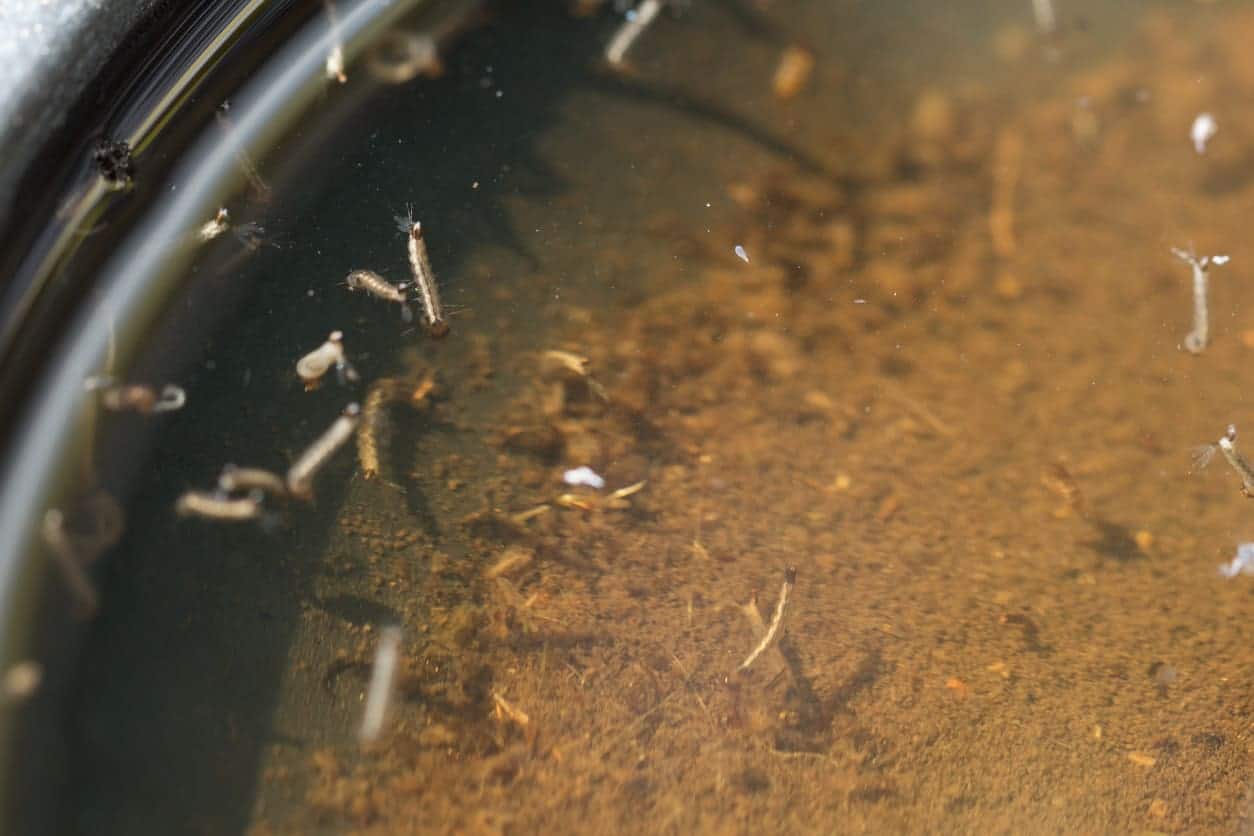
928	354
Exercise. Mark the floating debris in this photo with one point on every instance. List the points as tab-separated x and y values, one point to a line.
505	711
1197	339
583	477
382	684
1202	131
790	579
741	254
114	162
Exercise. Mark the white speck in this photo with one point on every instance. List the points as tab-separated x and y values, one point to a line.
1203	130
585	476
741	254
1220	259
1241	564
859	301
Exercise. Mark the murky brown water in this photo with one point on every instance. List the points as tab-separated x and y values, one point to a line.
947	387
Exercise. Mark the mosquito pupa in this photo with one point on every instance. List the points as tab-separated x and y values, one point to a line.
381	288
424	280
1242	564
219	506
382	684
301	474
221	223
638	20
239	479
316	363
790	578
1199	337
1202	131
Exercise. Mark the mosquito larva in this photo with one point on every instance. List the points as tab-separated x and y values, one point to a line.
424	281
136	397
372	419
1046	20
218	506
381	288
790	578
1197	339
1228	446
371	434
335	57
1202	131
315	364
301	474
236	479
70	563
382	679
638	19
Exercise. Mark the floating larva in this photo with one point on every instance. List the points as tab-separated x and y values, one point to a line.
315	364
381	288
218	506
424	282
301	474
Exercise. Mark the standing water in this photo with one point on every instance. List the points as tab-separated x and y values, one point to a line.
809	448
